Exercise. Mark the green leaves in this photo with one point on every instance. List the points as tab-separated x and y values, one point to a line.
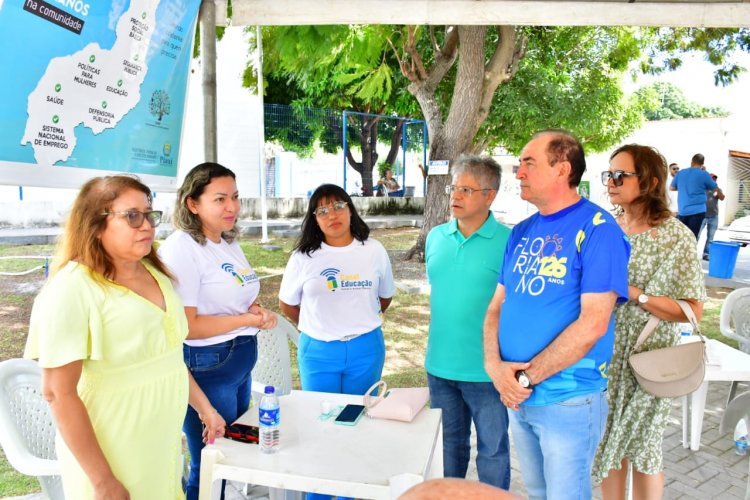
663	101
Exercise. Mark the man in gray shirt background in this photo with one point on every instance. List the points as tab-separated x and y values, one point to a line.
711	220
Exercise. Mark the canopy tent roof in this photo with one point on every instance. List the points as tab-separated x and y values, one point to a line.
698	13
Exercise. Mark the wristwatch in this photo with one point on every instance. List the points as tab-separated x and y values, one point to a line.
642	298
524	380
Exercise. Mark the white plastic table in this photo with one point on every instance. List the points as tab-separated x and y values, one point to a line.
724	363
377	459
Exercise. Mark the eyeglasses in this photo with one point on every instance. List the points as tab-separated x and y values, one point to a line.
675	169
135	218
463	191
337	206
617	176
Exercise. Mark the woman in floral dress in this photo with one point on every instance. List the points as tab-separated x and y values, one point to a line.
663	267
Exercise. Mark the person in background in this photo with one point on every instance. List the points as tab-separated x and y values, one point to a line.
463	259
549	329
691	185
711	220
336	287
219	291
387	184
107	329
673	203
663	267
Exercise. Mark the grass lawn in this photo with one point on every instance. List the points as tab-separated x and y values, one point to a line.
405	326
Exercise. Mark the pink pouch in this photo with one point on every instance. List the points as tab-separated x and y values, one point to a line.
397	404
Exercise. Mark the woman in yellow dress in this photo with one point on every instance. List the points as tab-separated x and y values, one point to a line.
108	330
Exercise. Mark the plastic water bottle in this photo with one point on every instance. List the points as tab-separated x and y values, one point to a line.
268	419
740	438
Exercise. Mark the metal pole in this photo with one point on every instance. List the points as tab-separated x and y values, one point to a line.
261	137
403	155
208	62
343	119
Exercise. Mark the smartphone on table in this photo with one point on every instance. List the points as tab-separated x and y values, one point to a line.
350	415
242	433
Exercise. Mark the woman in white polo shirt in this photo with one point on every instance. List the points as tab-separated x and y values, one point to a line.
219	290
336	286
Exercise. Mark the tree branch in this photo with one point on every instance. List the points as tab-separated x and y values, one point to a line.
416	59
510	49
352	162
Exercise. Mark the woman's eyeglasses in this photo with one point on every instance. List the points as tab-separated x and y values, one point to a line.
618	176
463	191
336	207
135	218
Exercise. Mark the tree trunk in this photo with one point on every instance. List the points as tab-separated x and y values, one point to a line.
474	87
395	143
437	205
454	136
368	141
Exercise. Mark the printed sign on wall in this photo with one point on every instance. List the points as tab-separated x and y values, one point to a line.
93	87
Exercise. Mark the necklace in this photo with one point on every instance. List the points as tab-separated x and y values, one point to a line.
631	227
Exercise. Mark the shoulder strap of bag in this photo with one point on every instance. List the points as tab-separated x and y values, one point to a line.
653	321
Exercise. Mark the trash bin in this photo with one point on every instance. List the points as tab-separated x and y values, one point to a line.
723	258
409	191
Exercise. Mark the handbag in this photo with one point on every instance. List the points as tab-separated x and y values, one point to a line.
397	404
670	371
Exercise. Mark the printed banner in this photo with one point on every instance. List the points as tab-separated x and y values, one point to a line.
92	87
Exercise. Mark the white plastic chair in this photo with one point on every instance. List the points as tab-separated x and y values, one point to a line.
737	409
273	366
734	323
27	430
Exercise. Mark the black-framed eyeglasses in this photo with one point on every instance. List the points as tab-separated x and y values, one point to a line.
618	176
135	218
337	206
463	191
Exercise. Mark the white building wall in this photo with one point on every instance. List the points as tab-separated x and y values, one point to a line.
678	141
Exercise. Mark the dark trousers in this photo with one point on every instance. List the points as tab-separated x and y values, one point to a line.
693	221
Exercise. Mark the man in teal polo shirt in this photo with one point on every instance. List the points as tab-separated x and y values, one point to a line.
464	258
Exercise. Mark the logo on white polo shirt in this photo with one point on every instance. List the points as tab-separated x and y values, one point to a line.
241	276
337	281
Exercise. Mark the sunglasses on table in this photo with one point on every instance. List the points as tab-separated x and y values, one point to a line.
135	218
618	176
335	207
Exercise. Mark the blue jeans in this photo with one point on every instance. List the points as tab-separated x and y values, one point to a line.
461	403
223	372
556	445
711	224
349	367
693	222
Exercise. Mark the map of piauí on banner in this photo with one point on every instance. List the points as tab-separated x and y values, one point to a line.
95	84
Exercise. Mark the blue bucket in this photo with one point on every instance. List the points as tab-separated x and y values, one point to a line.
723	258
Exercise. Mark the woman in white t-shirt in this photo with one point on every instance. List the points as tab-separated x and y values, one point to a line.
336	286
219	290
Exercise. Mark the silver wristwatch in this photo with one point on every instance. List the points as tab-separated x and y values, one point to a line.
524	379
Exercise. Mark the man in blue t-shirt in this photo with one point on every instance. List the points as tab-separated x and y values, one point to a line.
691	185
463	259
549	329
